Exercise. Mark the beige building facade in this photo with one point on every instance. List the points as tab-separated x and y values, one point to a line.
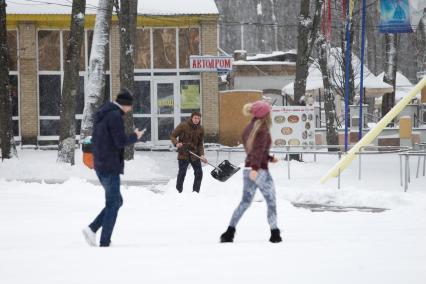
167	89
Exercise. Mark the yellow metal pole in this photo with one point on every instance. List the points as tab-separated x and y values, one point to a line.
373	133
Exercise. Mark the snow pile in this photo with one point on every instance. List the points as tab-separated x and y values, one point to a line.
403	85
152	168
165	237
273	54
243	62
35	165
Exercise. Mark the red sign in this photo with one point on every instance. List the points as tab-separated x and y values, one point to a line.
210	63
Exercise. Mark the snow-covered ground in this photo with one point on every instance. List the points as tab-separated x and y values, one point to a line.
165	237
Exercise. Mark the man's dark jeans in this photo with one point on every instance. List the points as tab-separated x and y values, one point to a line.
113	201
198	173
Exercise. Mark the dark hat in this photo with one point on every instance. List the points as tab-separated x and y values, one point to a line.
124	98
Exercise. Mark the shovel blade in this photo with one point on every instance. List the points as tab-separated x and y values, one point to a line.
225	171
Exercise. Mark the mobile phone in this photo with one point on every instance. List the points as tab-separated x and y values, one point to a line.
143	130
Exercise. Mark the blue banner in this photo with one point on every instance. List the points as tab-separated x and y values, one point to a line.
395	16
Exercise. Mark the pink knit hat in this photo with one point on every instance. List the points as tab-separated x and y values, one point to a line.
260	109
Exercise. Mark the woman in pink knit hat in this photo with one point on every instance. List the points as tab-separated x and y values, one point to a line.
257	142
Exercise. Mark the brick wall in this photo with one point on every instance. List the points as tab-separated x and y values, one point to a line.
210	92
28	82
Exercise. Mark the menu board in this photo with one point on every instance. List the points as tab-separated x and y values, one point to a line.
293	126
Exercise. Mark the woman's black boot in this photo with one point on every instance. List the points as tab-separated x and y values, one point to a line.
275	236
228	236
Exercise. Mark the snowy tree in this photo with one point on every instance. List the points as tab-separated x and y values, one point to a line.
127	21
421	44
7	144
307	33
242	26
307	30
391	46
329	106
71	84
97	66
354	38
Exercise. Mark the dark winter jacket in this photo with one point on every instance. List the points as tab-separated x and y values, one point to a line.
258	157
109	139
191	136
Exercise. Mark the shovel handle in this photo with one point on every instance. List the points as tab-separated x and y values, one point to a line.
192	153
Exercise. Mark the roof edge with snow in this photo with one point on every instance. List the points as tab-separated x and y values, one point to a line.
145	7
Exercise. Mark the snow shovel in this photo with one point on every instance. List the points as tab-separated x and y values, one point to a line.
223	171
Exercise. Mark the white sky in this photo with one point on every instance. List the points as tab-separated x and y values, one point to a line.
152	7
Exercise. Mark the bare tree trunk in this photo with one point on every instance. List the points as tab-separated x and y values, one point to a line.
391	46
307	32
329	106
421	44
371	44
354	42
97	66
71	84
7	143
127	21
371	56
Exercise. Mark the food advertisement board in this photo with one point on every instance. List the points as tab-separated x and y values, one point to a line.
293	126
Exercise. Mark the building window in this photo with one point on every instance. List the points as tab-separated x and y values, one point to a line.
107	90
79	105
165	127
142	123
143	49
12	44
52	55
49	51
65	40
190	98
13	80
49	94
164	48
165	98
142	108
142	98
49	127
189	44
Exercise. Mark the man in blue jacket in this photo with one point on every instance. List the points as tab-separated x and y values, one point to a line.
109	140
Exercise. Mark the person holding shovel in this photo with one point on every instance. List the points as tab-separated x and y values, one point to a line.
257	142
188	137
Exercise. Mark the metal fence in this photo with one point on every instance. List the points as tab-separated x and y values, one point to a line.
418	150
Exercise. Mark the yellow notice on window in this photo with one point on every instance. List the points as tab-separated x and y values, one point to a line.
190	97
165	102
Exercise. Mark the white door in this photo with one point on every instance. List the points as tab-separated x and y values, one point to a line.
143	107
166	110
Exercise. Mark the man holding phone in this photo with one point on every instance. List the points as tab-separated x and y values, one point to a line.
188	137
109	140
